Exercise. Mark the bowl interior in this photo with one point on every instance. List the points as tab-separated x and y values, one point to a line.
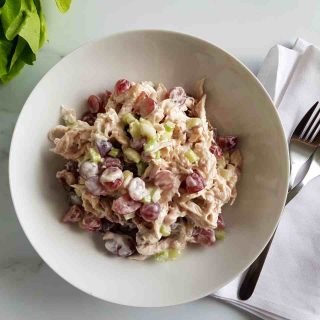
237	105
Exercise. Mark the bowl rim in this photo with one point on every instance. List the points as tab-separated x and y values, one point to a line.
89	43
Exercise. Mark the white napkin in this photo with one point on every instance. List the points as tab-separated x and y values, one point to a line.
289	284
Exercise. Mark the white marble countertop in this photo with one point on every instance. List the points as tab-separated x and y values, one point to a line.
29	289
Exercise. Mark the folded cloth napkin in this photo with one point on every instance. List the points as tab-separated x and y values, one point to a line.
289	284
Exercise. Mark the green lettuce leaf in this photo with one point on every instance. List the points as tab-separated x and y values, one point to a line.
5	50
20	17
63	5
22	52
12	18
13	72
43	25
23	31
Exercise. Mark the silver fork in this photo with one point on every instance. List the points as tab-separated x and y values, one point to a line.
313	172
302	146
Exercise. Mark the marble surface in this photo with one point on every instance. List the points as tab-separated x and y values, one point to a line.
246	28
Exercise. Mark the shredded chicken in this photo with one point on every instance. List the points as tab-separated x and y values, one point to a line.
150	172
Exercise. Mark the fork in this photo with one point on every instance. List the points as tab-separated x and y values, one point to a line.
313	172
302	146
301	143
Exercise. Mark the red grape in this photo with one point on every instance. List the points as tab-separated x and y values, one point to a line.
89	117
164	180
104	100
138	143
216	150
88	169
111	179
90	222
205	237
220	223
94	186
121	86
73	215
178	95
144	104
194	183
118	244
150	211
72	166
125	205
94	104
111	162
137	189
227	143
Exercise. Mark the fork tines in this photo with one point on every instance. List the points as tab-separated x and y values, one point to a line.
312	128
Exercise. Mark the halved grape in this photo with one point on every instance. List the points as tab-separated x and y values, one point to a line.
88	169
89	117
124	205
138	143
164	180
104	100
205	237
137	189
94	103
94	186
118	244
194	183
177	94
73	215
150	211
227	143
121	86
90	222
111	174
216	150
144	105
111	162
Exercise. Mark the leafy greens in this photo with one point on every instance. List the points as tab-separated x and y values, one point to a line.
23	31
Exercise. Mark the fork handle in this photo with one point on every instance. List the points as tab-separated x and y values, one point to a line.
252	276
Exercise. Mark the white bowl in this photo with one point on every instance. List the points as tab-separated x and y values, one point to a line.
237	104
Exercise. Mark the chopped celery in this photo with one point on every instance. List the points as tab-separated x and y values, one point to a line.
150	145
128	118
169	126
155	194
94	155
147	129
132	155
134	129
174	253
158	154
141	166
129	216
165	230
165	255
146	198
164	136
193	122
69	121
127	176
219	234
227	174
114	152
191	156
162	256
